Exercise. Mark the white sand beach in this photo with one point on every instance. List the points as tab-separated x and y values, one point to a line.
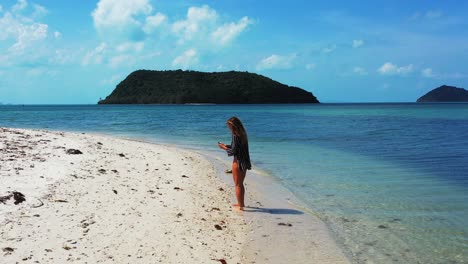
124	201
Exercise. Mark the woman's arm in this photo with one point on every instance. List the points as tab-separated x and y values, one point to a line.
233	149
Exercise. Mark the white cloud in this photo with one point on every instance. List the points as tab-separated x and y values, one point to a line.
24	34
188	58
1	8
95	56
427	73
197	17
360	71
432	14
19	6
392	69
358	43
227	32
23	41
57	35
153	22
120	21
39	11
329	49
276	62
456	75
120	17
27	34
61	57
130	47
310	66
112	80
120	60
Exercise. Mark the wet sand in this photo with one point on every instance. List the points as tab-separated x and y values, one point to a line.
98	199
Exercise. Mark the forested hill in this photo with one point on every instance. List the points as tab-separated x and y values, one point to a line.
182	87
445	93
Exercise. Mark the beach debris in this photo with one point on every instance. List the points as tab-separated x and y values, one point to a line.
215	209
284	224
66	247
60	201
115	191
102	171
17	196
228	171
8	249
87	222
382	226
39	205
223	261
121	155
5	198
74	151
99	143
179	189
179	215
115	171
218	227
221	189
184	176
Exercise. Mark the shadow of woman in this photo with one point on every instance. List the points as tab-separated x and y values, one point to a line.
272	210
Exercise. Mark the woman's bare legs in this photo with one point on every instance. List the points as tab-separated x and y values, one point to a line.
238	177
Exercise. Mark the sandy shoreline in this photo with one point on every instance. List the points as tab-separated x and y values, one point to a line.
123	201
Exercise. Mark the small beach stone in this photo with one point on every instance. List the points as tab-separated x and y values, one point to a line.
74	151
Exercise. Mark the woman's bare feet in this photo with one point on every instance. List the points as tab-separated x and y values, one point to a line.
238	207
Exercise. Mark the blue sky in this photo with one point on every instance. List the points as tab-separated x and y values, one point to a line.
66	52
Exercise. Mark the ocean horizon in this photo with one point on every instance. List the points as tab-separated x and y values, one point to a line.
389	179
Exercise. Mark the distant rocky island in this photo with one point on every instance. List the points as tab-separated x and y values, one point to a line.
193	87
445	93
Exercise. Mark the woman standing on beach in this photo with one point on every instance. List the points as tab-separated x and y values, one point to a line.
239	148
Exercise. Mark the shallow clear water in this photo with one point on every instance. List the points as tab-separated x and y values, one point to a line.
391	180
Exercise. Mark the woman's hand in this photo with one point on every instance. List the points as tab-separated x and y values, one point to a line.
222	145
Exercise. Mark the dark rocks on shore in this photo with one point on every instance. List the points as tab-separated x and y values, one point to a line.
17	197
74	151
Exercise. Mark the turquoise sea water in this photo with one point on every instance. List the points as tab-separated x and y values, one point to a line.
390	180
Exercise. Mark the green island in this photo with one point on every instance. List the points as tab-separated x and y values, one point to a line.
194	87
445	93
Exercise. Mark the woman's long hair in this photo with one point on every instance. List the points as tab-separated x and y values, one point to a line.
238	129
